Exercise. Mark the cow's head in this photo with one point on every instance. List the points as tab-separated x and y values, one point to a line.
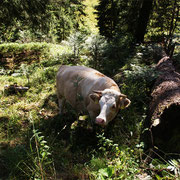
110	102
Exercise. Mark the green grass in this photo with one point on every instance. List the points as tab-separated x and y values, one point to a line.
21	115
51	49
18	112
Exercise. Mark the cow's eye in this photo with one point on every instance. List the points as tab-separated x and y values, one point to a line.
113	106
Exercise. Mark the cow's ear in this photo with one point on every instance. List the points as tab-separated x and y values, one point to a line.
127	102
95	97
124	103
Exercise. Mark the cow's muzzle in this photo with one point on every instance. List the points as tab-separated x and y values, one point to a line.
100	121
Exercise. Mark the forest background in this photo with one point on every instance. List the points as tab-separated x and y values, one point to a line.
124	39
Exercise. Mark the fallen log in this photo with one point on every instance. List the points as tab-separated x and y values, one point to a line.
14	89
164	112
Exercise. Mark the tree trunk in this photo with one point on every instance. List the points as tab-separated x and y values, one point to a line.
163	120
143	20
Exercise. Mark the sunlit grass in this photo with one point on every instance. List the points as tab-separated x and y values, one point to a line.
56	49
15	109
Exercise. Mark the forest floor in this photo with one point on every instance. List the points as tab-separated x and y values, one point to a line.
37	143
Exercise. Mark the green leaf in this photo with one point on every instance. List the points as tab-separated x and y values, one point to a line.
104	172
43	154
110	171
47	147
158	177
83	118
43	142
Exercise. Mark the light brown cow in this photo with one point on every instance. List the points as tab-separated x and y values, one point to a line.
88	89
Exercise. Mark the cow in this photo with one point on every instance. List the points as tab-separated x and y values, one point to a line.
86	89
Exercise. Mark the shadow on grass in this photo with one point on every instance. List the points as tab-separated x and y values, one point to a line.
71	142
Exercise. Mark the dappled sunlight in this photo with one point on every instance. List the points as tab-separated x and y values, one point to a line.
122	39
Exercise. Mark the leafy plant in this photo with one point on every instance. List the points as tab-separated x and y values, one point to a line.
175	167
42	159
38	163
95	45
76	41
113	162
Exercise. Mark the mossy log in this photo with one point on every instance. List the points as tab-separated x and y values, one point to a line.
164	111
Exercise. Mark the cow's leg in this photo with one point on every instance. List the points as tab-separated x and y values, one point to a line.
61	102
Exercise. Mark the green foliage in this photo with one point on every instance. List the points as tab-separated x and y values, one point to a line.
47	20
175	166
136	84
53	21
41	156
140	74
95	45
107	12
76	41
16	47
44	48
157	20
24	161
117	52
107	56
90	20
113	162
164	19
163	169
15	14
34	163
14	55
117	17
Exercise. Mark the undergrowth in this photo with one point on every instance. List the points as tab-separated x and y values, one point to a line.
36	143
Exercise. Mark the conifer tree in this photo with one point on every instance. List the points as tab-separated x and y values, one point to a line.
43	18
107	12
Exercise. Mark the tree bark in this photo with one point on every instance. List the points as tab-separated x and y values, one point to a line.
143	20
163	119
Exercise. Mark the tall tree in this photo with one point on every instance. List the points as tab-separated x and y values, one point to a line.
45	18
143	20
117	16
107	16
164	21
65	16
140	18
25	11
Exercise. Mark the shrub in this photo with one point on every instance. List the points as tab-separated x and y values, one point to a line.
113	162
95	45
